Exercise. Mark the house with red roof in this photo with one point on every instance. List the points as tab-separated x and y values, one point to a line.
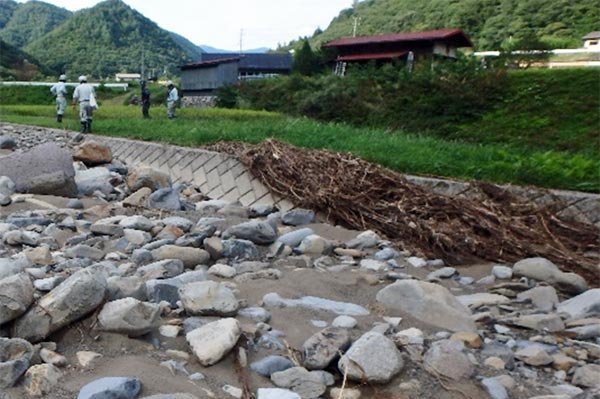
404	46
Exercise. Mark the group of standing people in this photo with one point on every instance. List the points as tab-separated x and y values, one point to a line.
85	96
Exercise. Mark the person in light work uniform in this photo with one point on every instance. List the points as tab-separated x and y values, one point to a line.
59	90
82	95
172	97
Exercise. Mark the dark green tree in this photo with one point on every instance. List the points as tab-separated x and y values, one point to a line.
306	62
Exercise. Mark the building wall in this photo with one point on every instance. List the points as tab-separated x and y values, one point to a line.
209	78
592	44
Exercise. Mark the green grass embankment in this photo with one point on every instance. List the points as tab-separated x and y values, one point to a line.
406	153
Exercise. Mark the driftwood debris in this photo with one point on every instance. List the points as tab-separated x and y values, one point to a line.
498	227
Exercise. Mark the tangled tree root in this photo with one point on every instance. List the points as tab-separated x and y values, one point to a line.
498	227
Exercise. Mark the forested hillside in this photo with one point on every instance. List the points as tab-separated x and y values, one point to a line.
16	65
99	41
31	21
490	23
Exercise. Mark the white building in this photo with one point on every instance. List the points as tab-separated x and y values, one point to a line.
127	77
592	41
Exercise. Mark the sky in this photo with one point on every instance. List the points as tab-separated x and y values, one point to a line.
218	23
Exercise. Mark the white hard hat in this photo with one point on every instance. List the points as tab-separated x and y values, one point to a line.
170	83
83	78
62	77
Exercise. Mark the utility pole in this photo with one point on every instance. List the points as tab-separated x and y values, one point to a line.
356	22
143	65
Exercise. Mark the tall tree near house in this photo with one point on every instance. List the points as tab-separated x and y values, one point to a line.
306	62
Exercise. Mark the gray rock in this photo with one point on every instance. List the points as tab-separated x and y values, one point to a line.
587	376
161	269
129	316
501	351
7	186
223	271
172	396
208	298
12	266
239	250
84	251
542	297
256	314
183	223
583	305
344	322
324	347
373	265
294	238
271	364
250	266
165	199
386	254
45	169
75	203
41	379
494	388
276	393
540	322
111	388
94	180
534	355
141	256
298	217
427	302
446	357
372	358
168	289
125	287
147	177
444	272
15	358
137	222
474	301
256	231
542	269
307	384
48	284
77	296
137	237
7	143
211	342
16	294
310	302
191	257
502	272
366	239
315	245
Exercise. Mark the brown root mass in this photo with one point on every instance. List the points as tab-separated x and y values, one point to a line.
498	227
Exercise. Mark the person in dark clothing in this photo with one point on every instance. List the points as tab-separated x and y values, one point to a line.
145	99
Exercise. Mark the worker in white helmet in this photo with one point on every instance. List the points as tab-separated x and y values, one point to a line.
172	97
59	90
83	94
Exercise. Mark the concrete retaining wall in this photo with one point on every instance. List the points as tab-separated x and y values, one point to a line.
222	176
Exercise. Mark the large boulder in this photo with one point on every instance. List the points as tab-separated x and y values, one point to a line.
92	153
323	347
208	298
158	290
256	231
429	303
212	341
446	357
373	358
542	269
15	358
12	266
74	298
45	169
129	316
147	177
582	306
16	294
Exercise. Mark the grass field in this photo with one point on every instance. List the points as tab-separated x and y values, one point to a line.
407	153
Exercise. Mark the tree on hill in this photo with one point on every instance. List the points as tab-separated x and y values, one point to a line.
107	39
16	65
490	23
31	21
306	62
